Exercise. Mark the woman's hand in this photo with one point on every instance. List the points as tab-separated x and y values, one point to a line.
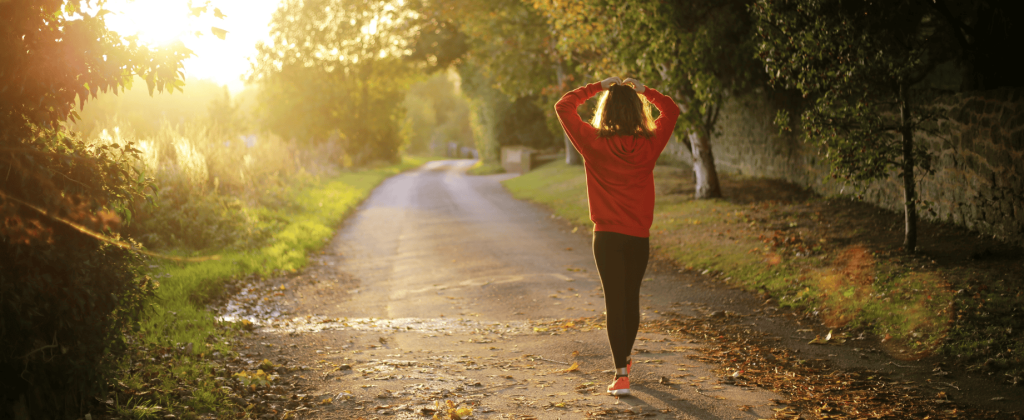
607	83
637	86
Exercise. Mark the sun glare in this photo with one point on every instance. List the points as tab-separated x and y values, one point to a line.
224	61
155	22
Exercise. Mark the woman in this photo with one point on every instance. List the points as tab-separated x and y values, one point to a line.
619	151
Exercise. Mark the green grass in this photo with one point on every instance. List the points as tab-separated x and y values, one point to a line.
311	219
743	244
178	317
563	188
481	168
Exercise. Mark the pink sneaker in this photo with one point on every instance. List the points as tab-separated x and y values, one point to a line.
620	386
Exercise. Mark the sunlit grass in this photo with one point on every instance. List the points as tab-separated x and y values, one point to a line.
481	168
310	222
184	335
563	188
847	286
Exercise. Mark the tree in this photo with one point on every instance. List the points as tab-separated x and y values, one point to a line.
67	296
859	61
500	120
338	67
696	51
436	114
504	51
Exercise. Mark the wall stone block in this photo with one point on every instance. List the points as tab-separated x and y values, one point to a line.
978	157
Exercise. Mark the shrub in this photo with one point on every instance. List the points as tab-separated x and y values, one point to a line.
66	298
65	312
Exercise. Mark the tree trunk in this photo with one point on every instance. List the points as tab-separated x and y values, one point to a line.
909	190
704	166
572	156
703	160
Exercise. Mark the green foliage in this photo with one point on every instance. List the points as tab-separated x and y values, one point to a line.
853	59
67	299
507	41
696	51
437	113
859	62
66	311
511	46
508	67
306	225
55	53
206	183
498	120
439	42
201	222
338	69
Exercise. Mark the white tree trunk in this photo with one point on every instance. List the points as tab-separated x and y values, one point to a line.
704	167
909	184
572	156
703	160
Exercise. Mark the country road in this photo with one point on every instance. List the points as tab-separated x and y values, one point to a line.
442	287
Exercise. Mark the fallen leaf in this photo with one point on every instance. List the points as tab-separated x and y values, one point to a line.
818	340
575	366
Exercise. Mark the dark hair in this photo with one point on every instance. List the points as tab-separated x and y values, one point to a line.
621	112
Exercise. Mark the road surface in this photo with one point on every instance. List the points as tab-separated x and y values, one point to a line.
442	287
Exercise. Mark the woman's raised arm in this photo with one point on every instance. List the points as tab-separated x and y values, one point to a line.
565	108
666	122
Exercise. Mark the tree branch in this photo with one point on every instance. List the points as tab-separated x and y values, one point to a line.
943	9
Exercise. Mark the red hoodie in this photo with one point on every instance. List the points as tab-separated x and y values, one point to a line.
620	178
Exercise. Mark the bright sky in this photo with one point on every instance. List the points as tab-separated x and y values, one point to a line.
223	61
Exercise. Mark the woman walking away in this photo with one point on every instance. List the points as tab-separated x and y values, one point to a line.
619	151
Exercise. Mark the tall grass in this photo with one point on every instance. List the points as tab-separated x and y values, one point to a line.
307	224
211	188
261	204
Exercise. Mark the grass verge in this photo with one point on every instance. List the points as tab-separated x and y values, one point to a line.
182	363
481	168
835	259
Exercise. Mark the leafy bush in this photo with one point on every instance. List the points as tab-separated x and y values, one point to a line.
66	298
65	311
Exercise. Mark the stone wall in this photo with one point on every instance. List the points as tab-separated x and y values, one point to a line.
978	159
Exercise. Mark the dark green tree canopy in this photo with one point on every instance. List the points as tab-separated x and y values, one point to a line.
851	59
858	63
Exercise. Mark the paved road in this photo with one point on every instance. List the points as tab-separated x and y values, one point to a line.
443	287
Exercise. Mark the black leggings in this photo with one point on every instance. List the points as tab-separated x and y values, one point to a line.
621	262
